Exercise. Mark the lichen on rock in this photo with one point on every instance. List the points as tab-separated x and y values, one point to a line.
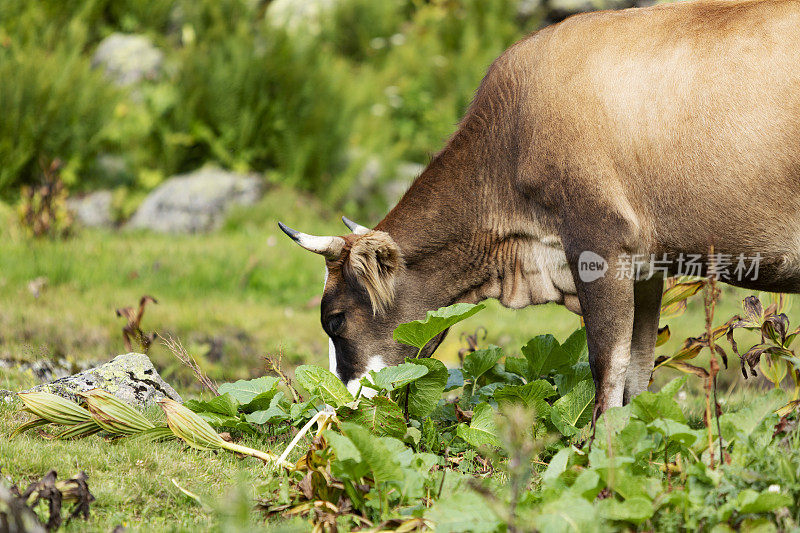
130	377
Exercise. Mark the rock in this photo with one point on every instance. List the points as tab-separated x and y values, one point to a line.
6	396
92	210
196	202
561	9
405	174
128	59
113	169
300	18
527	8
385	184
130	377
45	369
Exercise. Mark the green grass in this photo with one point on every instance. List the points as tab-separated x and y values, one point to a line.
247	291
132	480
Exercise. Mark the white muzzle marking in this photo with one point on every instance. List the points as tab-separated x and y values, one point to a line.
331	347
375	363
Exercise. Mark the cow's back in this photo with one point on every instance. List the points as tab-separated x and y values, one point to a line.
678	110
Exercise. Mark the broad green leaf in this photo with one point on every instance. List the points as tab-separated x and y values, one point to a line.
298	411
275	412
380	415
773	367
747	419
270	415
649	406
455	379
482	430
217	419
245	390
675	431
425	393
348	463
412	436
573	411
558	464
394	377
374	452
224	404
343	447
567	514
317	380
544	355
588	485
750	501
518	366
463	510
479	362
575	346
569	377
531	395
673	386
260	401
486	393
419	332
498	374
615	428
635	510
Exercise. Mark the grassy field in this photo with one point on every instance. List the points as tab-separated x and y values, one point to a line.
231	297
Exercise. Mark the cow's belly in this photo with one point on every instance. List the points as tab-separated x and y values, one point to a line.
536	273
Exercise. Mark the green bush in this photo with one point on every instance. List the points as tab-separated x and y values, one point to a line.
254	100
311	103
54	106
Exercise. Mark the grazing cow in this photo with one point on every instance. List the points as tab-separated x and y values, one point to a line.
599	155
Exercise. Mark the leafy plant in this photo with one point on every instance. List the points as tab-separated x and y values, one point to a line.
502	450
773	355
43	209
420	332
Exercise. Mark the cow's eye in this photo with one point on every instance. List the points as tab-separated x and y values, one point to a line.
335	323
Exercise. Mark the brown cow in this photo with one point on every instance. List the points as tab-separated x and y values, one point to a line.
591	148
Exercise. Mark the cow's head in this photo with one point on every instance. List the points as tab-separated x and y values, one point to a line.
368	292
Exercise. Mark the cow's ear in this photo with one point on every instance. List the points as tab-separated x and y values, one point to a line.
375	259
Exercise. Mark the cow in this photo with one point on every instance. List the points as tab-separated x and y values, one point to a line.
601	142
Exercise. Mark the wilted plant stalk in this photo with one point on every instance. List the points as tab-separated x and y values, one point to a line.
180	353
275	366
114	415
710	295
197	433
132	329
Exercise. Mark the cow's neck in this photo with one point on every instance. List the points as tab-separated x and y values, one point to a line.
466	235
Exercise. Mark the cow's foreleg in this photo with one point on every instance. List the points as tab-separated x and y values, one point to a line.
647	310
607	306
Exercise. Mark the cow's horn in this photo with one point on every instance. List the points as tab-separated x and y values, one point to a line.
330	247
355	227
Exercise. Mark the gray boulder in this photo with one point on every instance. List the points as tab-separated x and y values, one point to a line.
196	202
387	185
130	377
404	176
128	59
92	210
